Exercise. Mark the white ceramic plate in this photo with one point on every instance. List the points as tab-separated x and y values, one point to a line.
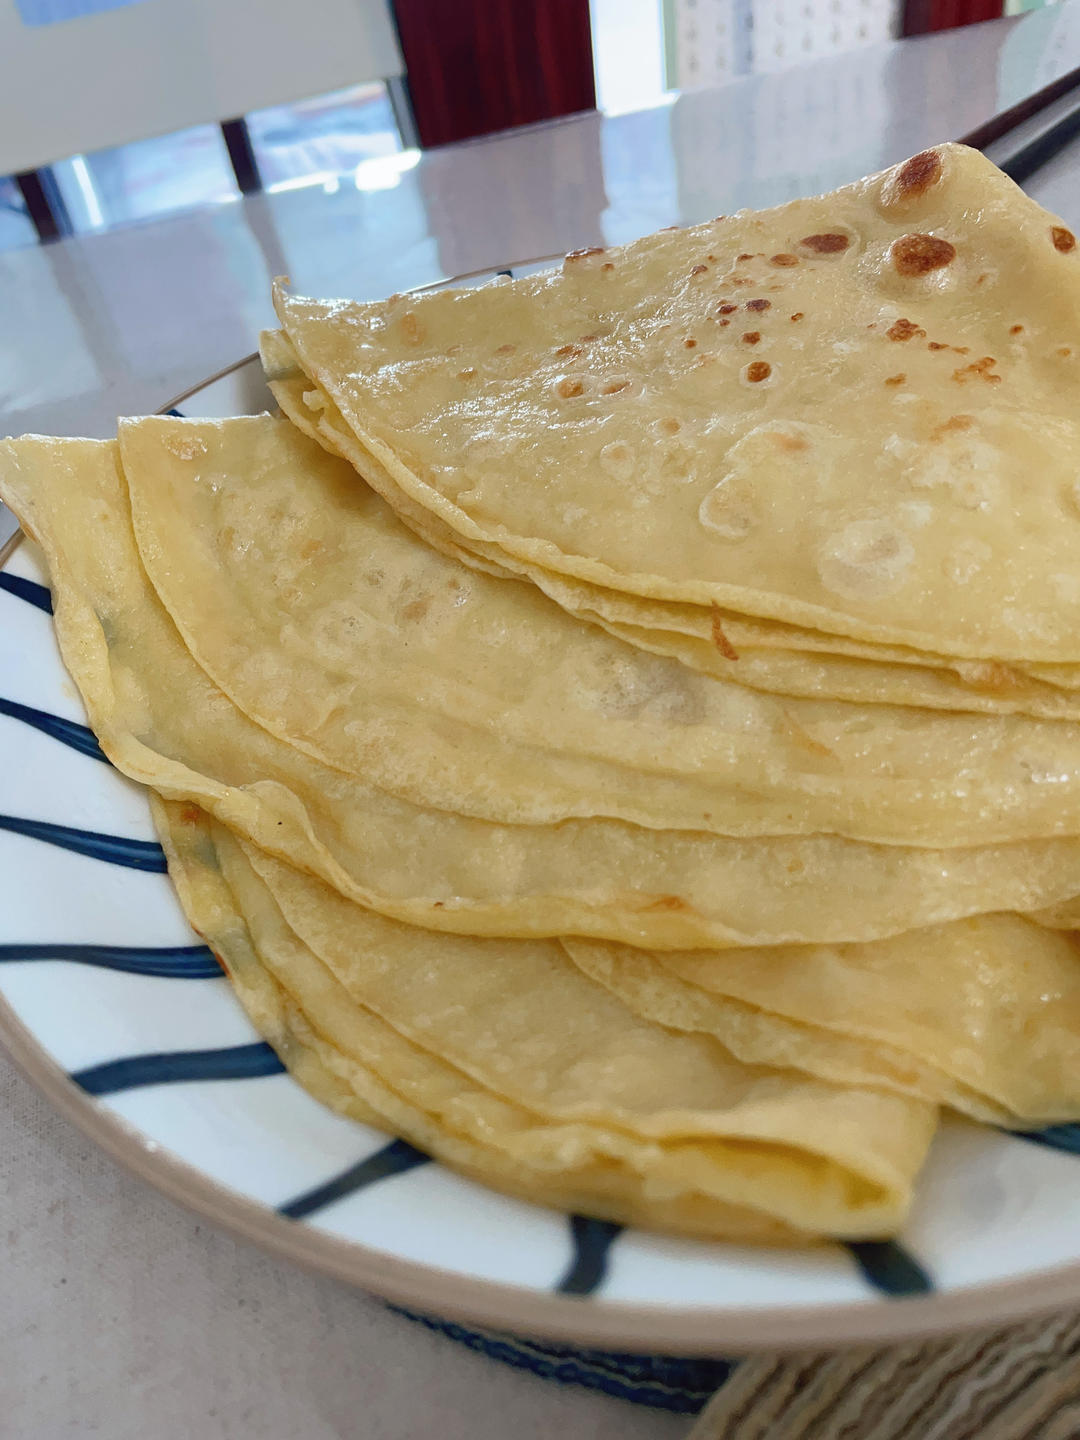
111	1006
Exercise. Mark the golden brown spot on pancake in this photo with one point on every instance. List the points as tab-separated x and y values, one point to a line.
744	256
310	549
724	322
784	440
719	639
1016	329
505	350
569	388
568	351
666	902
913	178
588	250
954	422
919	254
784	260
806	740
798	315
588	339
757	371
937	345
994	677
690	343
416	609
751	337
896	379
190	814
904	330
411	328
977	370
699	270
1064	351
829	243
758	304
711	259
1064	240
668	425
607	265
615	387
467	374
960	349
453	350
726	308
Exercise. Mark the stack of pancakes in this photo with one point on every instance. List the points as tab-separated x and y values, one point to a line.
619	728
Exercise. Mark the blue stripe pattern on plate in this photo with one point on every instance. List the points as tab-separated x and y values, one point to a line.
394	1159
664	1382
113	849
592	1240
176	1067
171	962
78	737
889	1268
28	590
1056	1137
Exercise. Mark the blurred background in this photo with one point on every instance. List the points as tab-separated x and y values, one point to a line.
117	111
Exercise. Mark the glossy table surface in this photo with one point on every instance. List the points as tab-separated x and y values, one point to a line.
122	1315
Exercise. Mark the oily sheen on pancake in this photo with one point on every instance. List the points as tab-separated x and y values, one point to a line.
653	418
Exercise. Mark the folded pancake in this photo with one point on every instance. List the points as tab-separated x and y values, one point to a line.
354	1088
334	627
982	1015
503	1049
762	654
839	413
162	721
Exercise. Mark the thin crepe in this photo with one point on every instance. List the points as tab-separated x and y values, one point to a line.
839	413
762	654
163	722
335	628
572	1083
982	1015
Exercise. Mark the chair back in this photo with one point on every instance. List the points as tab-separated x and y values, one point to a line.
78	75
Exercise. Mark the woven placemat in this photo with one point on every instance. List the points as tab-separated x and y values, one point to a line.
1008	1384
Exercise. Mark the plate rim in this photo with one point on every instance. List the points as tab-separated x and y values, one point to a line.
700	1331
448	1294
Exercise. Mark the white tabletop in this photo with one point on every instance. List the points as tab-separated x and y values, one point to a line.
121	1315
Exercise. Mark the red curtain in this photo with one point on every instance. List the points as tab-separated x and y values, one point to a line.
474	66
922	16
